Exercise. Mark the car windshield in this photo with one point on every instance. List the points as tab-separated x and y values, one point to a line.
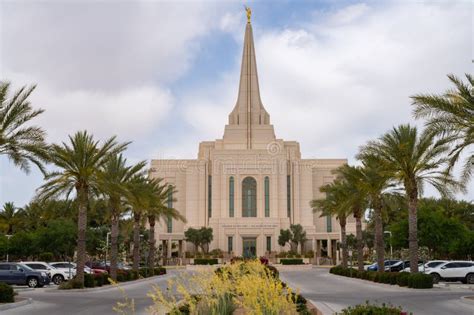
25	267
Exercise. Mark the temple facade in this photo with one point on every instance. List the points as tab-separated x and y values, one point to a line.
249	184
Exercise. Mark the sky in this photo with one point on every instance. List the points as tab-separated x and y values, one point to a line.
332	74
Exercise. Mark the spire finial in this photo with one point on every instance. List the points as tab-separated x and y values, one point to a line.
249	13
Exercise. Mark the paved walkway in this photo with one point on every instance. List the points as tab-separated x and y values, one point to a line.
333	293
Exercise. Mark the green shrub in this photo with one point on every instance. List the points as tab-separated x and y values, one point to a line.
309	254
159	271
105	278
134	275
291	261
99	280
402	279
420	281
205	261
89	280
7	295
71	284
364	309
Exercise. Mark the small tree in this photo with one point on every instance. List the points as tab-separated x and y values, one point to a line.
193	236
206	238
284	237
298	235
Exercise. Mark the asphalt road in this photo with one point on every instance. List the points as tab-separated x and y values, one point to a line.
52	302
333	293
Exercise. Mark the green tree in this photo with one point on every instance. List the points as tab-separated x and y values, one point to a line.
193	236
334	204
298	235
9	218
451	115
19	141
114	180
284	237
78	166
412	159
206	237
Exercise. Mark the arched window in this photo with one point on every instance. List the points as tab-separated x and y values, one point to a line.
249	197
231	197
267	196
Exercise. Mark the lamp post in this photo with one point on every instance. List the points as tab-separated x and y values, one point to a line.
8	243
391	249
106	248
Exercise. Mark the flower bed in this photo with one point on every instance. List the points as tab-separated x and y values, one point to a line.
206	261
367	308
403	279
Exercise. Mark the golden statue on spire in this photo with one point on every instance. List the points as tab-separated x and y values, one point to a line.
249	13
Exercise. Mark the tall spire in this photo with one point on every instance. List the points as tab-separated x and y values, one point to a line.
249	110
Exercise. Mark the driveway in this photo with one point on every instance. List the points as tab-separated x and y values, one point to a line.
333	293
101	301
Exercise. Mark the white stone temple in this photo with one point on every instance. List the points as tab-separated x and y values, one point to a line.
249	184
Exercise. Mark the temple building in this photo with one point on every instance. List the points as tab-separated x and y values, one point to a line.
249	184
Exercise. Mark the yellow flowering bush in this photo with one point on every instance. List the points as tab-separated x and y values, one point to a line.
240	288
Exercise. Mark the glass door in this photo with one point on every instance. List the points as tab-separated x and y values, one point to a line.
249	247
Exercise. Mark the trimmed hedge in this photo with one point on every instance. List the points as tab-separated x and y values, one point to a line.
159	271
7	295
403	279
292	261
205	261
89	280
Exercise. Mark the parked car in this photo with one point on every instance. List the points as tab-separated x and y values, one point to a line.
453	271
70	268
16	273
387	263
100	265
425	267
55	275
401	265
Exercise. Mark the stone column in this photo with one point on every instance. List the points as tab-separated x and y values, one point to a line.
330	248
180	249
168	252
313	248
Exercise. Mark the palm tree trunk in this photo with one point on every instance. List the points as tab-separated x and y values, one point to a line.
413	230
136	241
342	222
83	198
379	242
151	240
360	243
114	246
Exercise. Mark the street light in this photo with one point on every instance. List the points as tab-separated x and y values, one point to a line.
8	241
106	248
391	249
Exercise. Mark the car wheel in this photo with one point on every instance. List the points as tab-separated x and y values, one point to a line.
32	282
436	277
57	279
470	278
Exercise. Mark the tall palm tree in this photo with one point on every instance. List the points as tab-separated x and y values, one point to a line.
21	142
9	217
334	204
451	115
357	202
412	159
79	163
158	209
114	181
139	198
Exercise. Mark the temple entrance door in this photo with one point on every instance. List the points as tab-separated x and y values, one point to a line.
249	247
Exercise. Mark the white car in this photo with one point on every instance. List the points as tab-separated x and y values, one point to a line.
69	268
427	266
453	271
57	276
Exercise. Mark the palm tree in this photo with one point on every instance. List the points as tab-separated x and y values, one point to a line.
138	199
158	209
22	144
79	164
356	201
9	217
412	159
114	181
451	115
334	204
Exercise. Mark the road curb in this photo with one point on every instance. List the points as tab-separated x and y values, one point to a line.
110	286
9	306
